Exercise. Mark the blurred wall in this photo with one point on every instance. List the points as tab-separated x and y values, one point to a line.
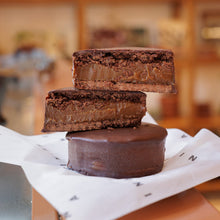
52	25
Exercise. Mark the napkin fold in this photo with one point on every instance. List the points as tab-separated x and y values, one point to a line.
189	161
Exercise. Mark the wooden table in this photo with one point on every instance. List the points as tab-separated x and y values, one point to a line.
188	205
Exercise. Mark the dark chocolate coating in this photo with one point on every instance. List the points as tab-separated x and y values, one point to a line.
118	153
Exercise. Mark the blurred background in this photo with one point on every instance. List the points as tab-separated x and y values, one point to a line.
38	38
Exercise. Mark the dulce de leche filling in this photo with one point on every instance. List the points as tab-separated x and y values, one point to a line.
153	73
77	111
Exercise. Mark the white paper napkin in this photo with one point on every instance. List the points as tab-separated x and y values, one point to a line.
189	161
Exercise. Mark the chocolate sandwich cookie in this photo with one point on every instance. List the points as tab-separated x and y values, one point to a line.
118	153
71	109
133	69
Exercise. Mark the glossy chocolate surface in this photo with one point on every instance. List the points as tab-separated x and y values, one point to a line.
118	153
145	132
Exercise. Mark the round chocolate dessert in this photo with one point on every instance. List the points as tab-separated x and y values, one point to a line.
118	153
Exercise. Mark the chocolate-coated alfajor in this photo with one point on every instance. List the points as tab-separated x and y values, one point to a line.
133	69
118	153
70	109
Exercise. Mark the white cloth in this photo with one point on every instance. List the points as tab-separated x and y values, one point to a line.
189	161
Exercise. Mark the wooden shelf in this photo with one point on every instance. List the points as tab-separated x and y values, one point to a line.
176	122
207	60
17	2
181	61
87	1
102	1
207	122
191	125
